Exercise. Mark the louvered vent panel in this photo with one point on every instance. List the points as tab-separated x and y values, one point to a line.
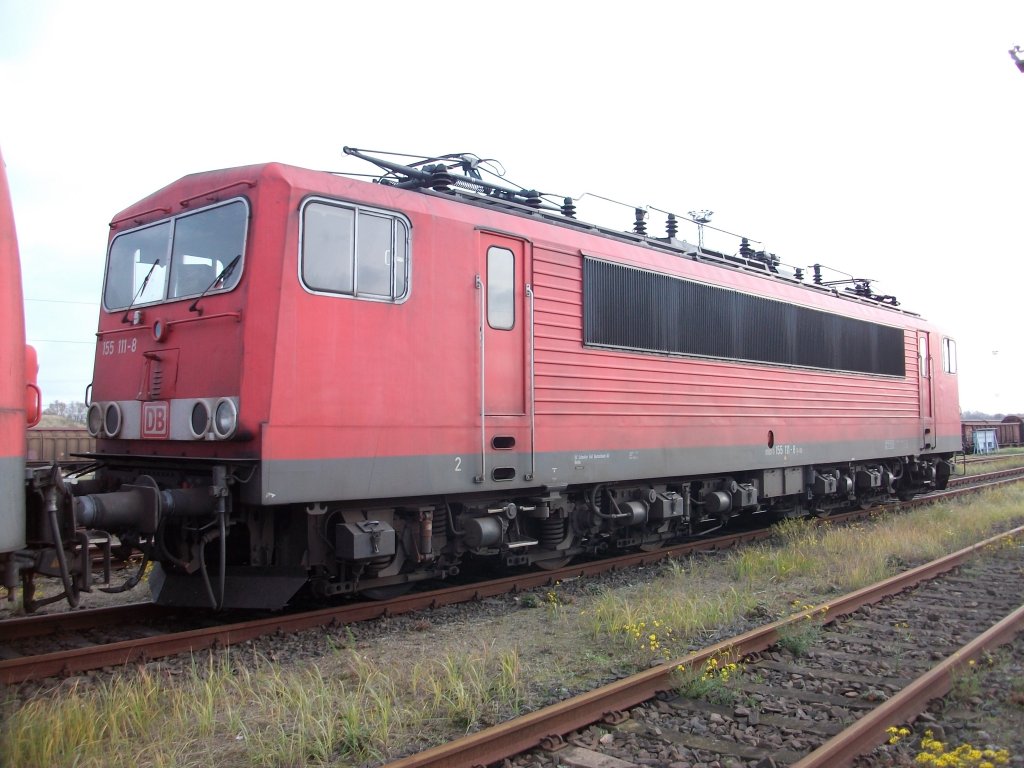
630	308
156	379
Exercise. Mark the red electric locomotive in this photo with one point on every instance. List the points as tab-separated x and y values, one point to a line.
12	385
20	400
304	380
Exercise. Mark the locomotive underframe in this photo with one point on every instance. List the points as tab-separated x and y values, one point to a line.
211	549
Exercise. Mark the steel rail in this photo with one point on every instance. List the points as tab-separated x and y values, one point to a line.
958	480
551	723
984	458
42	624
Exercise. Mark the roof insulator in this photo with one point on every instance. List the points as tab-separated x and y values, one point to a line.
671	226
639	226
440	179
532	198
568	209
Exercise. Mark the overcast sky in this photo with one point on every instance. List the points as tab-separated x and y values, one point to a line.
882	138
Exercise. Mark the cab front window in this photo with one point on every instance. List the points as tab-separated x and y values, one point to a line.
178	258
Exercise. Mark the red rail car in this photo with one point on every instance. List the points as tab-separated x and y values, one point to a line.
305	379
61	445
1012	430
20	406
999	434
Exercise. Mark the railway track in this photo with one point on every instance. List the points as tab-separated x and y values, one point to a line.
871	667
959	481
986	458
61	644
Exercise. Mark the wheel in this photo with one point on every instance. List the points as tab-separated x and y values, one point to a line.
653	546
553	564
386	593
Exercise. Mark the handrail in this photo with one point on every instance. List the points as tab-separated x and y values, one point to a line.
137	217
483	384
210	193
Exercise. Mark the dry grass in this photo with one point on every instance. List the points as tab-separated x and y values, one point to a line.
361	705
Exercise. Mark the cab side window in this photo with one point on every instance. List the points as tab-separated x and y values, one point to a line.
949	356
501	272
354	251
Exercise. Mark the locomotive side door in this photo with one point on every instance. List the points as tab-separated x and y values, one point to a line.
925	381
505	392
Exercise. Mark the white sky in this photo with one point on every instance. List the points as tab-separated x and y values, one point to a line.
882	138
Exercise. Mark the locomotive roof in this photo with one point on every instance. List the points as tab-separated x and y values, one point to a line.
462	175
457	177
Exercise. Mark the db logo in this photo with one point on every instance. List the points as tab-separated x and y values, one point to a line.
154	421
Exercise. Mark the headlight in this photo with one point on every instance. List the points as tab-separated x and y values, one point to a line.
225	418
94	420
199	421
112	419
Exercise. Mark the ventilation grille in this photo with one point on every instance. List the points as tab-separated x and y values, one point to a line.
156	378
630	308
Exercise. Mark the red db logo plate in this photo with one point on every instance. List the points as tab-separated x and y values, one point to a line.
155	421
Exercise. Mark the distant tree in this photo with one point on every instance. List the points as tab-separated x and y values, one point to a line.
976	416
77	412
57	408
74	411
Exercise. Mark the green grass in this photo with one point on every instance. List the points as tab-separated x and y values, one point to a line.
470	691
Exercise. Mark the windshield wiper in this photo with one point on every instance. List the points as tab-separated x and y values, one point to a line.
224	273
142	288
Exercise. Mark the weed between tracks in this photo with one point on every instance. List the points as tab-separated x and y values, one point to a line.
798	637
360	701
715	682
